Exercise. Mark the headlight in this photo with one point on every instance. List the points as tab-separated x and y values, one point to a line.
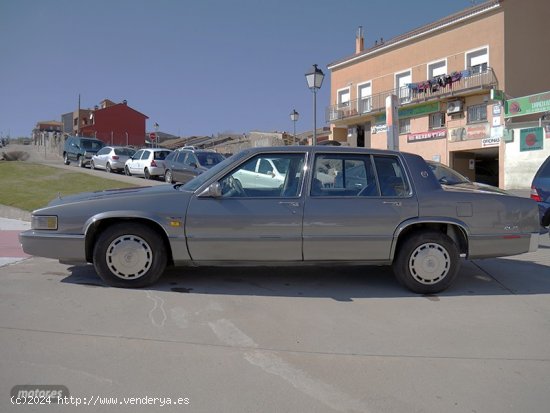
48	222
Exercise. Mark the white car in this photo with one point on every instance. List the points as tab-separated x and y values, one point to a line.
262	173
147	162
111	158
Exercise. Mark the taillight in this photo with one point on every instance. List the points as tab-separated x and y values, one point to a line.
153	163
115	157
535	195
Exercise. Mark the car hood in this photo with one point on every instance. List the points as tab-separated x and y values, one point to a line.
476	187
127	193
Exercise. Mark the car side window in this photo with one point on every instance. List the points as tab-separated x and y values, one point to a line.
181	157
347	175
245	182
391	176
104	151
137	155
145	155
190	160
265	167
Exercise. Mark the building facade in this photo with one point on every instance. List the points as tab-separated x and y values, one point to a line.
115	124
451	80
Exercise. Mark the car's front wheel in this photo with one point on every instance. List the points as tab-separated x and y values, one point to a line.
129	255
427	262
92	165
127	171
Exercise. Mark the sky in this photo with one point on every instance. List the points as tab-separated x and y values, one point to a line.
195	67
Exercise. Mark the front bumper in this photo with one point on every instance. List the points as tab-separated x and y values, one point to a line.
63	247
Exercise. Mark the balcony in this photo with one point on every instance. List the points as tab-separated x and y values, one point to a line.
407	96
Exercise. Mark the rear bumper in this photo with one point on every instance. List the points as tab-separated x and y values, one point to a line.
502	245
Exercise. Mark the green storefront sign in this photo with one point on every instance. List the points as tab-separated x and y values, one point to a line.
411	112
531	139
527	105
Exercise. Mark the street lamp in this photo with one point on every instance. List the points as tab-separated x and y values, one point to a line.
156	126
314	81
294	118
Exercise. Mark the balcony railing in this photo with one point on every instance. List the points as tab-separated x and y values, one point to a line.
411	96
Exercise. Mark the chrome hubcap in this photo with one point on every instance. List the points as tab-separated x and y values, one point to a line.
129	257
429	263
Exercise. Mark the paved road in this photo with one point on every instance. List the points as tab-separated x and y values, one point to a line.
273	340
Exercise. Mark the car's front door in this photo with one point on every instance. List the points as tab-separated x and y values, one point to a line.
134	161
177	167
248	222
354	205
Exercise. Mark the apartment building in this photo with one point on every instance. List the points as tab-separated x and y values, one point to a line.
451	80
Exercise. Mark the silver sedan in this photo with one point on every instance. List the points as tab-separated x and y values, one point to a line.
379	208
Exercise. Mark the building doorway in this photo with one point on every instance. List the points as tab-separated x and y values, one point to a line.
479	165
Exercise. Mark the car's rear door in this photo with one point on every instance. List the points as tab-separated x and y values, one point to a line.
356	217
249	222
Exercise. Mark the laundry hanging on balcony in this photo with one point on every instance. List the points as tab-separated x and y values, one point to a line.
437	83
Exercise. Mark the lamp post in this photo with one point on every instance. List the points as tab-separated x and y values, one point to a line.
314	81
156	126
294	118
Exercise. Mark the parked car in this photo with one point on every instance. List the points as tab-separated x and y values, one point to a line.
80	150
396	213
185	164
147	162
540	192
449	177
111	158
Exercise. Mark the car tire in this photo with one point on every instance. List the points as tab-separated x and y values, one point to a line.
427	262
127	171
146	174
168	177
92	166
66	159
80	161
129	255
108	168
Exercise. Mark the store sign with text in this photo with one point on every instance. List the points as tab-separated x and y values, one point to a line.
477	131
527	105
427	136
530	139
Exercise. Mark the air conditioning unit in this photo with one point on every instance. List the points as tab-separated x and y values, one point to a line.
454	106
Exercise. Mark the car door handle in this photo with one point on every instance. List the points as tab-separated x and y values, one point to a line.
394	203
290	203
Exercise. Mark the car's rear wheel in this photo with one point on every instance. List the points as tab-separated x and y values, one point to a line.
129	255
427	262
66	159
80	161
108	167
127	171
146	174
168	177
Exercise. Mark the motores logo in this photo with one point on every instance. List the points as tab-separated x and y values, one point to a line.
38	394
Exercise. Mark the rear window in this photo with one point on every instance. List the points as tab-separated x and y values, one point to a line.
124	151
161	155
545	168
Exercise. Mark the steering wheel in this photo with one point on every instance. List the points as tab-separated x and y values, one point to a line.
234	187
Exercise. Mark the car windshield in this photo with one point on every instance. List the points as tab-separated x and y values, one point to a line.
196	182
209	159
446	175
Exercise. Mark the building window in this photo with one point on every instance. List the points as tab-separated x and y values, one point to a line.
477	113
437	120
343	98
401	83
404	126
364	92
437	69
477	60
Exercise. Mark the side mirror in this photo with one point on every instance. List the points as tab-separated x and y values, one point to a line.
213	191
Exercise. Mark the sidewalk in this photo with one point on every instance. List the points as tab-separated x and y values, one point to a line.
10	249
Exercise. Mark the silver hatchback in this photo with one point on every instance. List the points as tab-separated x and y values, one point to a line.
111	158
